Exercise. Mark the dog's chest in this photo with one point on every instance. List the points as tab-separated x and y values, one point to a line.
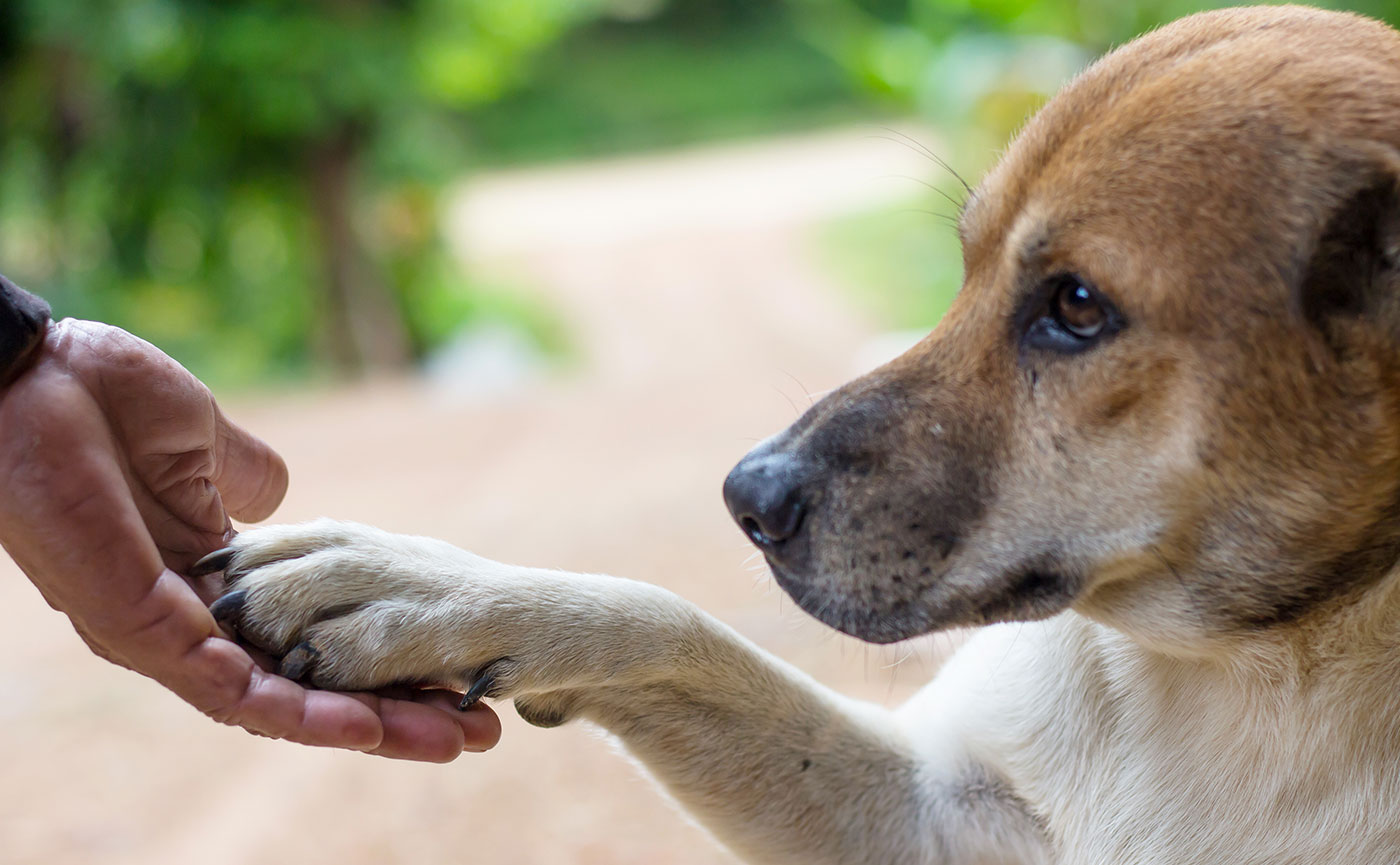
1130	760
1204	793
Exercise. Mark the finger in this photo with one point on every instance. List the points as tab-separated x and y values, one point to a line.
181	649
172	638
238	692
251	477
481	728
430	730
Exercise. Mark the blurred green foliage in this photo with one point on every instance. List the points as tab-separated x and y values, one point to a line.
683	72
255	185
259	174
986	64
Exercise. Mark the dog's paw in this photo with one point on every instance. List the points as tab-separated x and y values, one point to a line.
350	607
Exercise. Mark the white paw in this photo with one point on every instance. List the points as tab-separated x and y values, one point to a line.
350	607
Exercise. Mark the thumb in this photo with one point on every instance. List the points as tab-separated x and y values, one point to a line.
250	476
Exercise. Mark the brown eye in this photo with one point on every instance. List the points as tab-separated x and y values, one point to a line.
1077	308
1067	315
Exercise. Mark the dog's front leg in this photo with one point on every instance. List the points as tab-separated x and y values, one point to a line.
778	767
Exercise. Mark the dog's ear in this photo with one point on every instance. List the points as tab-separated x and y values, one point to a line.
1353	270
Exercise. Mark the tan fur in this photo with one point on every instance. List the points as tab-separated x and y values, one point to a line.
1191	522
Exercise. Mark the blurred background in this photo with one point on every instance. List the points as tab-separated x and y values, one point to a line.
528	275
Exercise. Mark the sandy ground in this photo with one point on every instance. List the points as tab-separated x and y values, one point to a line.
702	327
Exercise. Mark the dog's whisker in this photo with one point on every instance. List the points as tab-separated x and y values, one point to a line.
919	147
924	183
943	218
909	652
811	399
795	409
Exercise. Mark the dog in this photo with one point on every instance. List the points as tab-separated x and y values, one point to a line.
1153	449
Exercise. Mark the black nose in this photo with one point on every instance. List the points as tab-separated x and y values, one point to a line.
764	493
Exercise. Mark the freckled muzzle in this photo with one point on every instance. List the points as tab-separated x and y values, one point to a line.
860	506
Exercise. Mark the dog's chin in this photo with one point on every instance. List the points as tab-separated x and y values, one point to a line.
1015	596
897	621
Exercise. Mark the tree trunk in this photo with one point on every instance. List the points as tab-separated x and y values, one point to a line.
362	328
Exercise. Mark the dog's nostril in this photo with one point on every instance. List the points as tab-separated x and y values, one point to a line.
766	499
752	529
775	525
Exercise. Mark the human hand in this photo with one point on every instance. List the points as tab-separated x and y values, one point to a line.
117	472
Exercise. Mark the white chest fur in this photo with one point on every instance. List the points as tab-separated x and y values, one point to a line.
1134	757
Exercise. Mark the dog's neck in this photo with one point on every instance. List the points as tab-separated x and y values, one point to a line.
1364	625
1162	617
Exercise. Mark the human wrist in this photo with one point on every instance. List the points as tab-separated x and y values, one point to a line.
24	319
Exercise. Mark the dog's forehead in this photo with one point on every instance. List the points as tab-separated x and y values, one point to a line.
1208	146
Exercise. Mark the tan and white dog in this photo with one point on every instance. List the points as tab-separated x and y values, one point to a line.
1161	424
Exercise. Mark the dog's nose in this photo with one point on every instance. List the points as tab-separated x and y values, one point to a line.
764	493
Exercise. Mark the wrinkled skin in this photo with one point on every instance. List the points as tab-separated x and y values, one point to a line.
117	472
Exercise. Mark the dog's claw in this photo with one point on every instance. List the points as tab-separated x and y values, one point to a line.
478	690
212	563
298	662
228	610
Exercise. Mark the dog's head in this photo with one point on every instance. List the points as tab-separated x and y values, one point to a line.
1168	394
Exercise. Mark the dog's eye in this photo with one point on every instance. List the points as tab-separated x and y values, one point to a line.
1077	309
1074	316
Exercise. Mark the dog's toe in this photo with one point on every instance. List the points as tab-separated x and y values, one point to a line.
228	610
299	662
481	686
212	563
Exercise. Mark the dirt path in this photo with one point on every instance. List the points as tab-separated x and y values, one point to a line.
700	322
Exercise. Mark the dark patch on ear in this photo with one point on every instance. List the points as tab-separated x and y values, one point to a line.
1352	266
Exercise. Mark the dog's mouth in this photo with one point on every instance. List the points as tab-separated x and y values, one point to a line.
899	620
879	585
910	599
